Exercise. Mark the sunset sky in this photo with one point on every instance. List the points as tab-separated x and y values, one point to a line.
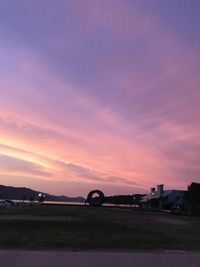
99	94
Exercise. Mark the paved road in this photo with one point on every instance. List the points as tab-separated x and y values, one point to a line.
10	258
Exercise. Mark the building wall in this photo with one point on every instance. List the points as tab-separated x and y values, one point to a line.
175	198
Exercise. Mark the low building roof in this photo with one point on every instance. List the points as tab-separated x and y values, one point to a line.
156	195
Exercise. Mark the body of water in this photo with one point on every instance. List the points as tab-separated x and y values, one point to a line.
75	203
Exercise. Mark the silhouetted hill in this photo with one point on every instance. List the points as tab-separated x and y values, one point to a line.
18	193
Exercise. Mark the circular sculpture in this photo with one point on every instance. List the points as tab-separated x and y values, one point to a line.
97	201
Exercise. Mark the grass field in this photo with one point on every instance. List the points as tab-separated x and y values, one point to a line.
87	228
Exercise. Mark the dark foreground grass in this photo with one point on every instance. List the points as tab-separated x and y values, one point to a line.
88	228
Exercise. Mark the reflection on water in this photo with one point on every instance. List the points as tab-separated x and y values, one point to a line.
83	204
75	203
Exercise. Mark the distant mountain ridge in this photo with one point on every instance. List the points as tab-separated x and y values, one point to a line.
18	193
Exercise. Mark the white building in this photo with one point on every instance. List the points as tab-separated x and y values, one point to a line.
163	199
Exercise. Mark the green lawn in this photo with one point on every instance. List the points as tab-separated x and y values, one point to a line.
86	228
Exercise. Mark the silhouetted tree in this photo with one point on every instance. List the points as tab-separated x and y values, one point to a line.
192	199
124	199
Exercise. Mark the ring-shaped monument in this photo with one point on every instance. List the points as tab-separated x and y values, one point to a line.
98	201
